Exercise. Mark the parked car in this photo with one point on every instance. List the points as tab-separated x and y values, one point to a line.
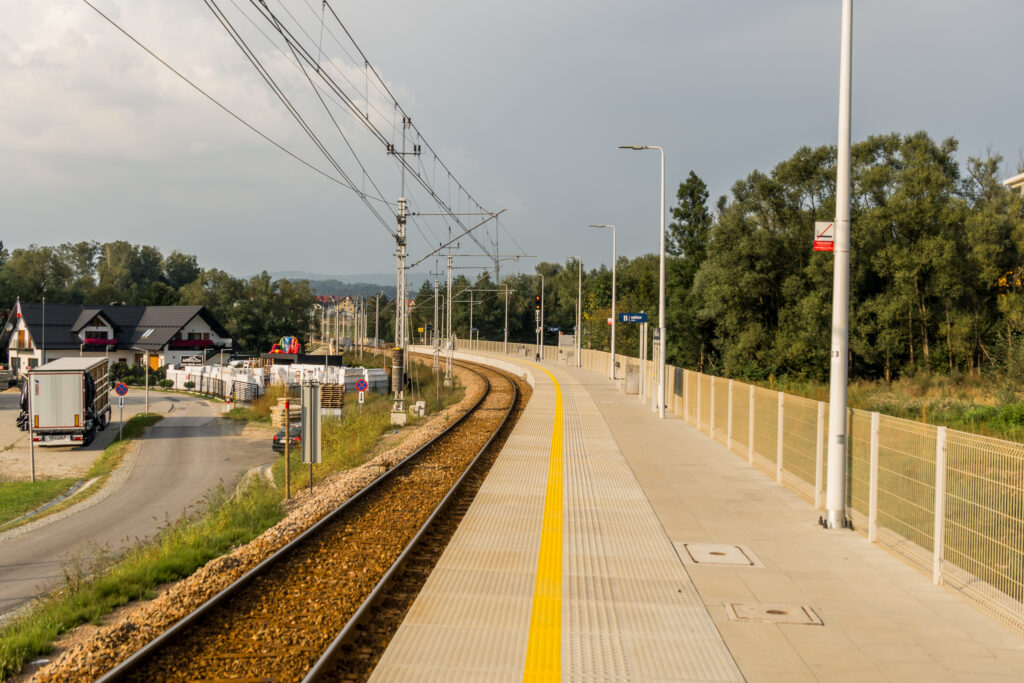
294	433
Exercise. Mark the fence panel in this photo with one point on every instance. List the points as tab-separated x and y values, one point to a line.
858	463
984	524
740	417
906	488
692	378
800	425
722	410
704	391
766	426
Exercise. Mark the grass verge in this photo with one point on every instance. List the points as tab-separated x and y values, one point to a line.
94	587
20	497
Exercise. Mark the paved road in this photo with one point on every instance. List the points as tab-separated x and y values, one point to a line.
184	456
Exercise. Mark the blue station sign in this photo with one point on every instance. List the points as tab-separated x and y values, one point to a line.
632	317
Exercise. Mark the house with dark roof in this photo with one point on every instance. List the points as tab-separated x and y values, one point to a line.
166	334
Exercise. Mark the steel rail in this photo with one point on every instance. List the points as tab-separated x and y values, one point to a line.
348	631
127	666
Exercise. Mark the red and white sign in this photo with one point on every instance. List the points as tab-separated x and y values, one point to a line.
824	235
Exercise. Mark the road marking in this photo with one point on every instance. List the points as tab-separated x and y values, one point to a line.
544	645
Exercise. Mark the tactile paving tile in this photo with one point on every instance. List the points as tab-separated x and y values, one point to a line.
630	611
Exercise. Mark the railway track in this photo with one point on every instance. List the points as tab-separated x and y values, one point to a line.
306	612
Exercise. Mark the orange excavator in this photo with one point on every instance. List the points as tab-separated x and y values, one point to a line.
287	345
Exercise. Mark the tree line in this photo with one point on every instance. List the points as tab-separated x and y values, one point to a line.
937	271
256	311
937	275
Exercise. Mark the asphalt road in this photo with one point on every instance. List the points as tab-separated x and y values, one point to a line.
185	455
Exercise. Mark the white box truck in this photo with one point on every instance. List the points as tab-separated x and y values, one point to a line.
67	401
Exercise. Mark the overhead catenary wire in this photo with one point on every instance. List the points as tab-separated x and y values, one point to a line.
215	101
286	101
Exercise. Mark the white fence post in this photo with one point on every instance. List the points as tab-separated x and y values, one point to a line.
728	421
711	422
819	457
778	442
940	505
873	482
750	428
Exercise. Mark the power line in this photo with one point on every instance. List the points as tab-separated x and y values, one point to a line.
217	102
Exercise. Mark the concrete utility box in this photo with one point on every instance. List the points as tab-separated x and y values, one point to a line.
632	379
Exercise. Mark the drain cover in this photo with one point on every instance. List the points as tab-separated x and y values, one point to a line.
773	614
717	553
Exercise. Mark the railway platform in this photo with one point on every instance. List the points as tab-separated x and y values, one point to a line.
608	545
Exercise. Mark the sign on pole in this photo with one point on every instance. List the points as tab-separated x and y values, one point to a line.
120	401
361	385
824	235
362	396
311	423
121	389
632	317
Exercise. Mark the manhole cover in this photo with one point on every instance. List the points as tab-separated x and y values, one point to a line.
773	614
717	553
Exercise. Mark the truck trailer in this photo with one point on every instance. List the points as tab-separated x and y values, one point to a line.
66	401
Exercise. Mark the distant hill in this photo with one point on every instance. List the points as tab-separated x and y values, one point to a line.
364	284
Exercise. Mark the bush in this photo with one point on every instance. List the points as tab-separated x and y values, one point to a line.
166	383
190	385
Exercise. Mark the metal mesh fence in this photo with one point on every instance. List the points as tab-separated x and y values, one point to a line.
891	478
721	403
858	461
766	422
906	485
984	522
800	439
692	379
741	417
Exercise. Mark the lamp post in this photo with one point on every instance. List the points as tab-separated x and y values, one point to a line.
611	368
835	498
579	309
661	284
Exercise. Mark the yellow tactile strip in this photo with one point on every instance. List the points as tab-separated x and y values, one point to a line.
629	611
544	645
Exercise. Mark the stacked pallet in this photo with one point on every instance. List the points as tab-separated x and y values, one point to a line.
279	416
332	395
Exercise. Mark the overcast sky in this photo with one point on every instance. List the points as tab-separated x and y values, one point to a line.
526	102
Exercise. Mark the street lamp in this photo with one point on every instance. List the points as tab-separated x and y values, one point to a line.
611	368
579	310
661	285
835	498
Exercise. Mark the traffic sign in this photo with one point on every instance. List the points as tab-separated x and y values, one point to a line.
120	401
361	386
362	395
632	317
554	329
824	235
121	389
